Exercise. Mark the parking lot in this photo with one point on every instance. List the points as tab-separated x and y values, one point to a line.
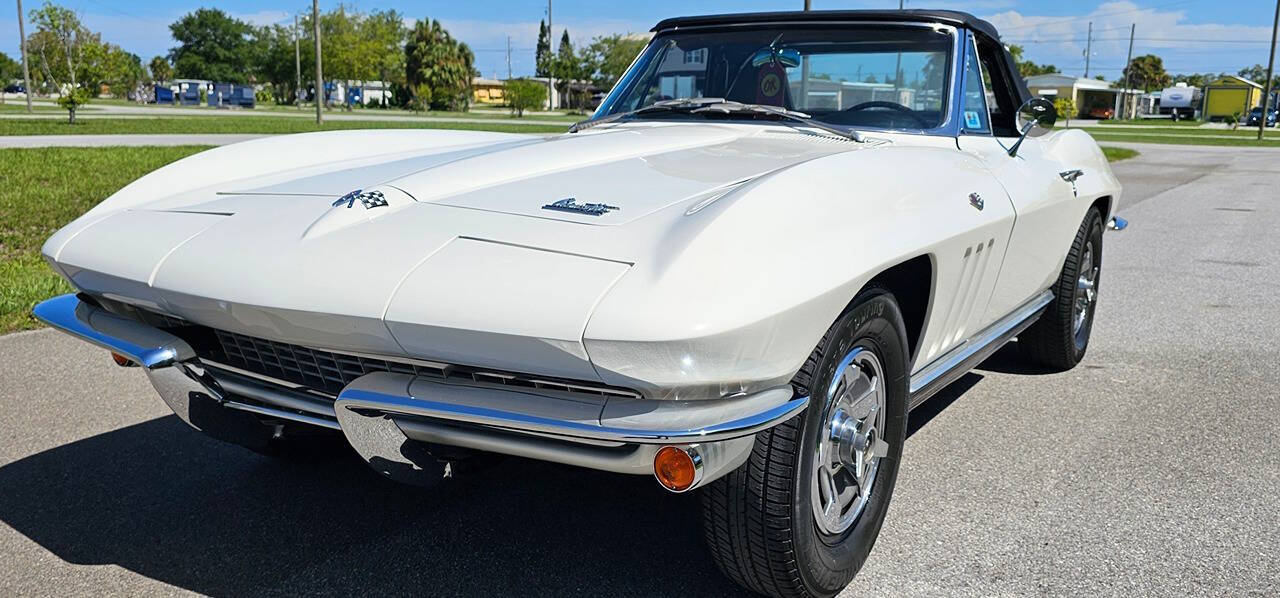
1151	469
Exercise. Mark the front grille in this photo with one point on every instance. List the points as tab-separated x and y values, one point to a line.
321	370
330	372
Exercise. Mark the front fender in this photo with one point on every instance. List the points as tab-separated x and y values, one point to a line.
741	291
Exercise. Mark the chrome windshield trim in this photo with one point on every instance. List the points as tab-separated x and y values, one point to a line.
950	126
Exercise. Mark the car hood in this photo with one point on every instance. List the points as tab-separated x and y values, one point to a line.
463	242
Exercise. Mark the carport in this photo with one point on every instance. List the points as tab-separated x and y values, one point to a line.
1088	94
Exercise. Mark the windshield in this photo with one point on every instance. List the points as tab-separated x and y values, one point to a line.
880	76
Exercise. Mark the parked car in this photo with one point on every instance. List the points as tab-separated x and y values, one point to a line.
1101	112
743	290
1255	116
15	88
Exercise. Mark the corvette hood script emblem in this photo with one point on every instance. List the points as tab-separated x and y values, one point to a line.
571	205
368	199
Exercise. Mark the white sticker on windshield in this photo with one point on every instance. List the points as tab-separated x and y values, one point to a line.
972	120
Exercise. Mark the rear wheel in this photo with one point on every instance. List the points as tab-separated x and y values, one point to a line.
1059	339
801	515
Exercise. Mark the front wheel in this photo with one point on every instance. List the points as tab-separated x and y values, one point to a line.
801	515
1059	339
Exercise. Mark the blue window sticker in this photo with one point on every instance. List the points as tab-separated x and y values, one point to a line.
972	120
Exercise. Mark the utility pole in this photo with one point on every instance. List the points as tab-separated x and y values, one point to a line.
1088	49
315	27
26	74
1125	108
551	61
508	56
804	75
297	64
1271	64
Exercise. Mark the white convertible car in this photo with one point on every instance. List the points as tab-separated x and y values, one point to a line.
778	234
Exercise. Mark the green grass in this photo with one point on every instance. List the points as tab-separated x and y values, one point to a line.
1116	154
13	106
1154	122
1182	139
237	124
485	112
40	191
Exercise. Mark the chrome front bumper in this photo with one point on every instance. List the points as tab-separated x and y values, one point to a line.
380	413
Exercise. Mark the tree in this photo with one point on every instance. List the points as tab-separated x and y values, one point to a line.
1146	72
211	45
271	60
607	57
542	55
72	100
385	33
446	65
1258	74
1026	68
160	69
523	94
59	42
9	69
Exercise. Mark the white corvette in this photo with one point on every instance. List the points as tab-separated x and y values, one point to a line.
778	234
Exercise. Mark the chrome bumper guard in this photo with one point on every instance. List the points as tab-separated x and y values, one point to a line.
380	412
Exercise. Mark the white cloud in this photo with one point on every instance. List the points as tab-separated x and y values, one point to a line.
1184	47
264	17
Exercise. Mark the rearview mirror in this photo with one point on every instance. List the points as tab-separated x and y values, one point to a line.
1036	116
789	58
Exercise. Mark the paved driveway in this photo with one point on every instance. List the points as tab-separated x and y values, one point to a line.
1152	469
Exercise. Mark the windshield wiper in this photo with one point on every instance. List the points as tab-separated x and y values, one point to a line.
660	106
731	107
721	106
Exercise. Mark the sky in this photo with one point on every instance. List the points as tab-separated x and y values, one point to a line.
1190	35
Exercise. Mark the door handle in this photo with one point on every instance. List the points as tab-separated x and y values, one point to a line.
1070	176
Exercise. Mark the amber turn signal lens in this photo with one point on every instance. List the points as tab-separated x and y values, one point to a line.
121	360
674	469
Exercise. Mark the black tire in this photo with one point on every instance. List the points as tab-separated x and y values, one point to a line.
757	520
1053	342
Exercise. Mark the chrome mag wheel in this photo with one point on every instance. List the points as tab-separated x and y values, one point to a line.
850	443
1086	291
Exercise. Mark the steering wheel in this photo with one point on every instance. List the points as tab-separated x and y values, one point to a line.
891	106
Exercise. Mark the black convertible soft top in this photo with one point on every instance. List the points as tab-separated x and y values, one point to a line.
949	17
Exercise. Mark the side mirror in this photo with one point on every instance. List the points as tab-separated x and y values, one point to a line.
1036	116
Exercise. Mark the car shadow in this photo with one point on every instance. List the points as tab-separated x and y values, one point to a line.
1006	360
936	404
161	500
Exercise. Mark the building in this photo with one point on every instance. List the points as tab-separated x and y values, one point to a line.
1229	97
1092	97
487	91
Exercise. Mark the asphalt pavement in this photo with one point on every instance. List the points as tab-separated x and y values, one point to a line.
1153	468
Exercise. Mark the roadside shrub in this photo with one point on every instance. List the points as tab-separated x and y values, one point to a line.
421	98
72	100
1066	108
523	94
